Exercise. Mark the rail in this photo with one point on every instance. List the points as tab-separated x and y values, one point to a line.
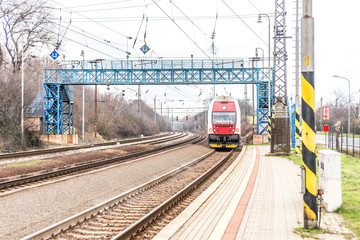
90	165
72	148
80	217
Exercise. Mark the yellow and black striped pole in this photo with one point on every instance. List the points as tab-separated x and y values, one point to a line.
271	115
297	131
269	126
308	115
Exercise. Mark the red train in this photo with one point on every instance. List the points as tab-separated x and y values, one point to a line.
224	123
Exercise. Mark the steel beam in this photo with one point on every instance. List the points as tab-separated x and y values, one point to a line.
58	106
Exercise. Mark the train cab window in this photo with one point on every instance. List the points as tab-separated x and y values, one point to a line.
224	118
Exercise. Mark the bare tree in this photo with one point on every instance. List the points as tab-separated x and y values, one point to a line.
25	25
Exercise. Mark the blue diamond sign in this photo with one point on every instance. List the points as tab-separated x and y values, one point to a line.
54	55
145	48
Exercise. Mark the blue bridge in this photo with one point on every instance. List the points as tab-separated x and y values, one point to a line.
58	97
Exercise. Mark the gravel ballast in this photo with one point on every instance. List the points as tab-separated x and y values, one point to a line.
27	211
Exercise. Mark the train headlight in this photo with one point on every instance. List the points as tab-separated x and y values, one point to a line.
237	130
214	129
233	130
210	130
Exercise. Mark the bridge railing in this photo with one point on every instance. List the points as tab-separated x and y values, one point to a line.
164	64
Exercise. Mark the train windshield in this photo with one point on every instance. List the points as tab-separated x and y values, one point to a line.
224	118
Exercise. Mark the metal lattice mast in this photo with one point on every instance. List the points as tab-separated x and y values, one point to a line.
280	54
280	130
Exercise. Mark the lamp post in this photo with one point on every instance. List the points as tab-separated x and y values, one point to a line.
349	102
269	86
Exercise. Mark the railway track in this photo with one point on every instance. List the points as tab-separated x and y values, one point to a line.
6	185
72	148
124	216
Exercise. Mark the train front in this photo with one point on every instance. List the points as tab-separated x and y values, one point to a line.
224	123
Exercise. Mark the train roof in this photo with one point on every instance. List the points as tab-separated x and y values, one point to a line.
224	98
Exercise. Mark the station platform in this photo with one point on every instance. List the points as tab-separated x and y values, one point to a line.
257	197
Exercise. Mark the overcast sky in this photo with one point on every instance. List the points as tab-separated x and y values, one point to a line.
337	37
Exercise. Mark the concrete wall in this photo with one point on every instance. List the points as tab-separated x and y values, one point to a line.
34	124
60	139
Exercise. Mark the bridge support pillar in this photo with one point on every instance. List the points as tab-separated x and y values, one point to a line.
58	110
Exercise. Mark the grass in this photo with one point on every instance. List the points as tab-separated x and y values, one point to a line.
309	233
23	163
350	208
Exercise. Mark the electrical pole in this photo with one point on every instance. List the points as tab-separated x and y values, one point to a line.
95	126
155	109
297	98
308	115
280	139
139	99
83	99
22	94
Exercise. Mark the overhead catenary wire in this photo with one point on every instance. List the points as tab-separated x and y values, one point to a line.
85	38
245	23
69	39
213	36
139	30
58	44
98	4
114	8
192	22
146	25
99	41
92	20
260	11
159	18
182	30
254	6
95	36
58	35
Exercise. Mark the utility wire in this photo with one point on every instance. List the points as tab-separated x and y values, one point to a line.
245	23
182	30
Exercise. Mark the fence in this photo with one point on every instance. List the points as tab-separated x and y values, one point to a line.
342	142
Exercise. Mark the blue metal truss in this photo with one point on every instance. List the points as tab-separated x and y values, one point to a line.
58	109
262	108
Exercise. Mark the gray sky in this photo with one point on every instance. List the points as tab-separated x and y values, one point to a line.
336	37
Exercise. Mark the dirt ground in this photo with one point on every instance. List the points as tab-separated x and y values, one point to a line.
59	161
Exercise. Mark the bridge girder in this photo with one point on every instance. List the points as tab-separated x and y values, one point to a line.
154	73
